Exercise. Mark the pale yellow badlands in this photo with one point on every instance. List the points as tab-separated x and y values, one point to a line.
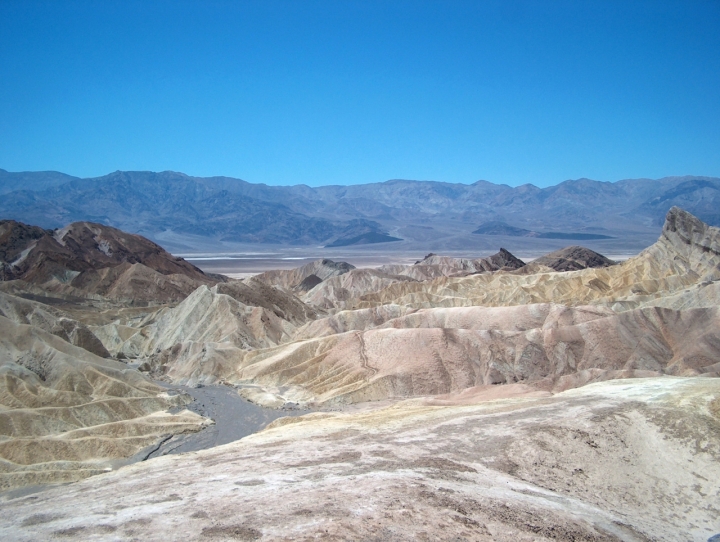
66	413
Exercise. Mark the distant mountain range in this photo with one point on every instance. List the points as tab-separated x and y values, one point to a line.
230	210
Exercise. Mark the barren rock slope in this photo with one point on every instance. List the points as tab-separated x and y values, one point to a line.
624	460
84	258
687	253
363	335
66	414
294	278
437	351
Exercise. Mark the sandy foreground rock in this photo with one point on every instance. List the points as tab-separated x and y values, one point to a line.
622	460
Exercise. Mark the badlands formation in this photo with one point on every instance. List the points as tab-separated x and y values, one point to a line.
571	398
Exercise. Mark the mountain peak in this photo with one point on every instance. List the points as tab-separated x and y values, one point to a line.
683	228
693	241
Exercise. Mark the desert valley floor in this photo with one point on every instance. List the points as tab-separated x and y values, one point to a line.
573	397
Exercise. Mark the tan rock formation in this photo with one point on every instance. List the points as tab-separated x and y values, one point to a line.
341	290
434	266
52	320
437	351
291	279
256	293
687	253
384	337
66	414
213	316
400	349
356	320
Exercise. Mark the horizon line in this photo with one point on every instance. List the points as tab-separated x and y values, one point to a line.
397	179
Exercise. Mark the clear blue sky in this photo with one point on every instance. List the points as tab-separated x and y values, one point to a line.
344	92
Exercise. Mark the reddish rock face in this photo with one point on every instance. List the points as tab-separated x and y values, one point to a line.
82	254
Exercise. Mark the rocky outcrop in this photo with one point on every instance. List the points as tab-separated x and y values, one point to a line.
207	316
339	291
567	259
437	351
240	315
520	405
434	266
685	255
132	284
383	337
256	293
292	279
66	414
36	255
452	333
52	320
84	258
689	239
355	320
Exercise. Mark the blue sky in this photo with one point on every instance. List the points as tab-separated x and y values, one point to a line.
344	92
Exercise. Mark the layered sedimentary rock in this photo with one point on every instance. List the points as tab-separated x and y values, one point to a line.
437	351
256	293
305	277
245	315
339	291
342	291
66	413
356	320
67	410
52	320
330	335
396	347
204	317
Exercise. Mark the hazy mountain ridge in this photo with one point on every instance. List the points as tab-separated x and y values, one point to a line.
39	180
233	210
